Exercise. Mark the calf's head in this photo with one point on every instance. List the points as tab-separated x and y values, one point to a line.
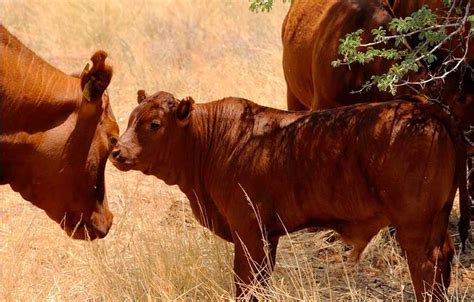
155	135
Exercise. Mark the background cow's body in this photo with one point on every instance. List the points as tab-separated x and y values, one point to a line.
53	142
311	35
354	169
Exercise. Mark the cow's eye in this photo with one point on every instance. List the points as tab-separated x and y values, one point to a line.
154	126
113	140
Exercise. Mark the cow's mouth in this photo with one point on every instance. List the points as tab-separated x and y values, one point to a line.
121	162
84	231
80	231
122	165
91	226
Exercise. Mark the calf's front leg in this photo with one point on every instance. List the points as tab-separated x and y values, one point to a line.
254	260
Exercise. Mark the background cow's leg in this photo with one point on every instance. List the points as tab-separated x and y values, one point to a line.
253	262
293	103
447	253
469	135
470	183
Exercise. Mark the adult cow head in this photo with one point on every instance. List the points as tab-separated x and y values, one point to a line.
56	133
86	213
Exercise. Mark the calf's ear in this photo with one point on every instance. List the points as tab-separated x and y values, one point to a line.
95	80
183	111
141	95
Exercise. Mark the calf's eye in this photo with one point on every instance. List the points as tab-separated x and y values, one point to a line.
155	126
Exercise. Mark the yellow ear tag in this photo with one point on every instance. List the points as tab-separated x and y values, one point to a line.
85	70
86	93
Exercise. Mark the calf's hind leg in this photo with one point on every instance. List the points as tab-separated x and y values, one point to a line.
429	256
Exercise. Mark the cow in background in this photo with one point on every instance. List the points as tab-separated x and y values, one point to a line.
311	35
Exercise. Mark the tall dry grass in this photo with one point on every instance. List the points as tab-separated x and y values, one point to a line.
155	250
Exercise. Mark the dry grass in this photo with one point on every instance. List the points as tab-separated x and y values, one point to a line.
209	50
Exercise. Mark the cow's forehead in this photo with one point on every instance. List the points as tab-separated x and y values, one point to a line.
146	110
159	101
160	97
153	106
106	99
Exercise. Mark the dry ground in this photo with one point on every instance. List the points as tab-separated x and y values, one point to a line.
208	49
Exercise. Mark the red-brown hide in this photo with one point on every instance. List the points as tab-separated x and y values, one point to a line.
55	137
353	169
311	35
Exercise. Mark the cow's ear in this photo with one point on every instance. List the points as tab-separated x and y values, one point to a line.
141	95
184	110
95	80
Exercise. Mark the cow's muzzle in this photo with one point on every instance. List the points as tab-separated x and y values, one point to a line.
119	158
101	222
97	227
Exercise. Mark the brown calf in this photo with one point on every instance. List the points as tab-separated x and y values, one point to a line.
353	169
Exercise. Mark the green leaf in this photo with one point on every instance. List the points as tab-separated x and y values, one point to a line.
336	63
262	5
470	19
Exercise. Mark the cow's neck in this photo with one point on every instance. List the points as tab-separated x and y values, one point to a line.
31	89
191	164
42	114
218	136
